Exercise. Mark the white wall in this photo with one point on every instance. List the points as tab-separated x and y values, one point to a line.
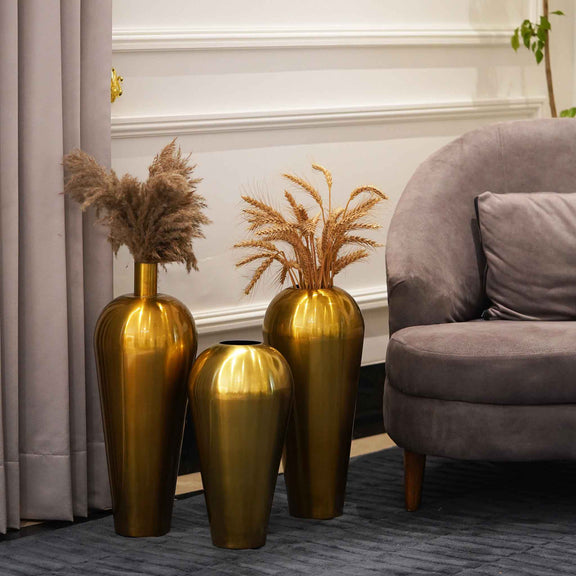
367	88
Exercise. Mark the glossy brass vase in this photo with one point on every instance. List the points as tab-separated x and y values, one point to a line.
320	333
241	396
145	346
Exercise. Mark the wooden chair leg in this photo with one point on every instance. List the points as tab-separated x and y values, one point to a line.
413	477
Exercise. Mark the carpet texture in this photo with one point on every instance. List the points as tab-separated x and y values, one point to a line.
476	519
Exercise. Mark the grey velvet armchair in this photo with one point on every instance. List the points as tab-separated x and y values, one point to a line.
458	386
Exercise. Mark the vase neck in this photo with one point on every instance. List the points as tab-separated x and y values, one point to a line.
145	279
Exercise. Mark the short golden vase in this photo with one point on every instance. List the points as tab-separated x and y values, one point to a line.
320	333
145	346
241	397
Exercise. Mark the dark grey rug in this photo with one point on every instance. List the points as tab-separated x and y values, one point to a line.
476	519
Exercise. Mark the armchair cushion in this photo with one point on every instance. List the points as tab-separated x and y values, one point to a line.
529	241
496	362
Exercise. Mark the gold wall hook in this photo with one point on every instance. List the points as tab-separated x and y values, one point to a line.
115	85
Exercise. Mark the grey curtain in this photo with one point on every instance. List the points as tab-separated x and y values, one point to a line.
55	266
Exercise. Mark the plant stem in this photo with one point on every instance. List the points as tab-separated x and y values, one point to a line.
284	261
551	98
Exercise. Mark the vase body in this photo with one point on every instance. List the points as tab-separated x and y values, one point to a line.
320	333
145	346
241	397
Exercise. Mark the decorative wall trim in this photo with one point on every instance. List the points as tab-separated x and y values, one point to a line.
251	316
191	39
141	126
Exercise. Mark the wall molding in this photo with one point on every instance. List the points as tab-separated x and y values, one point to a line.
193	39
143	126
252	315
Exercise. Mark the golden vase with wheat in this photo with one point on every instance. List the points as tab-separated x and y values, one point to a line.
318	328
145	342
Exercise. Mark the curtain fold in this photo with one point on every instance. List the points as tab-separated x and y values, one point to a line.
9	253
55	265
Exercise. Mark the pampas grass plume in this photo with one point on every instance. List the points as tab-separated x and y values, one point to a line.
157	219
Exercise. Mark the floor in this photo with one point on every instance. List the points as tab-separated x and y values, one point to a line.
477	519
193	482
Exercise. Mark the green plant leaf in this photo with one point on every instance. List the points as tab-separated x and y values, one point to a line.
539	56
541	35
515	40
527	32
559	13
526	39
568	113
544	23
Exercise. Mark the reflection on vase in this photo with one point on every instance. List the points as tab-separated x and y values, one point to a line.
145	346
241	395
320	333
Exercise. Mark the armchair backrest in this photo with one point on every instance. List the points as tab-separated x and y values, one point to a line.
434	261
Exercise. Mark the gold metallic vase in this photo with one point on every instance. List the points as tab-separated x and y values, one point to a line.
145	346
320	333
241	396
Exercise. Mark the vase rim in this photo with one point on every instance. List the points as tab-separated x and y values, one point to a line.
240	342
298	289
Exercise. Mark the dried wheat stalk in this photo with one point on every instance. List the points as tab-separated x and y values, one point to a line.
310	254
157	219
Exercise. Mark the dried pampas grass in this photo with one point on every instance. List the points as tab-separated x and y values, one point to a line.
157	219
309	249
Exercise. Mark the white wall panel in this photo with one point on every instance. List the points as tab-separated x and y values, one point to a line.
407	14
368	89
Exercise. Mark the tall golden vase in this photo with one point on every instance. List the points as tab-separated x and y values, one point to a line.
320	333
241	395
145	346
